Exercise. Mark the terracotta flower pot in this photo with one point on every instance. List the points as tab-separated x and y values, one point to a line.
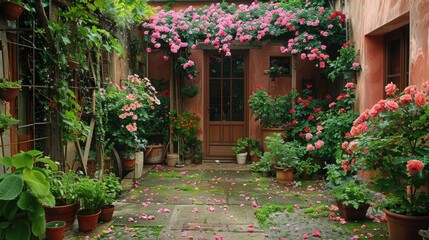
351	213
106	213
9	94
87	222
65	213
11	11
405	227
129	163
284	176
55	230
255	158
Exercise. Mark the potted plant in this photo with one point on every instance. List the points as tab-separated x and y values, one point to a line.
391	139
353	199
90	194
6	121
22	193
189	91
8	89
62	188
287	157
263	166
12	9
271	112
275	71
345	65
113	188
241	150
128	158
55	230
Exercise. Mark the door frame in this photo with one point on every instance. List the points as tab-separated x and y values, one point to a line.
206	101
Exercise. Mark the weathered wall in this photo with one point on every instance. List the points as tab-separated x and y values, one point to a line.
370	21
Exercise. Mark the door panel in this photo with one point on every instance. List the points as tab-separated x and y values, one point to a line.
226	103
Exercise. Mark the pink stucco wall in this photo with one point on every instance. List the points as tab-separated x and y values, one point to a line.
370	21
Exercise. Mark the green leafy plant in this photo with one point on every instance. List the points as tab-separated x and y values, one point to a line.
345	62
189	91
276	71
113	188
262	165
62	187
248	144
6	121
22	194
5	83
353	193
271	112
91	194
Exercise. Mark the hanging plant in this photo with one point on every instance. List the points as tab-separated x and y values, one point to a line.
189	91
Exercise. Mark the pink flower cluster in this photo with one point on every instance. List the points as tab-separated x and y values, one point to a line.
410	95
219	25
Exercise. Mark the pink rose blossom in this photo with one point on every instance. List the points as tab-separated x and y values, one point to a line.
350	85
392	105
420	99
310	147
308	136
406	98
319	143
390	89
411	89
355	65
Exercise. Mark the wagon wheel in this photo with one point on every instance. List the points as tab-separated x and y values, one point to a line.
116	163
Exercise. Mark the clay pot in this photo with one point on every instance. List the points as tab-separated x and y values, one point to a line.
66	213
255	158
405	227
55	230
284	176
351	213
9	94
129	164
106	213
11	11
87	221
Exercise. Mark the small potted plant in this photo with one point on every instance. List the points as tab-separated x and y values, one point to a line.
8	89
6	121
90	194
113	187
263	166
353	199
55	230
189	91
241	149
276	71
128	159
287	157
62	188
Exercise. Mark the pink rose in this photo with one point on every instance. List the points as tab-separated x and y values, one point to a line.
410	89
310	147
426	86
392	105
390	89
355	65
319	144
406	98
420	99
414	166
308	136
332	104
350	85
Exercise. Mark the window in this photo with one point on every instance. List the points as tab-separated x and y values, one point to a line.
284	62
397	47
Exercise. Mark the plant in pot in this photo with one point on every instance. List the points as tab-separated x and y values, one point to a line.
353	199
90	194
345	66
62	188
113	188
9	89
55	230
22	194
241	149
272	113
287	157
263	166
6	121
391	140
128	158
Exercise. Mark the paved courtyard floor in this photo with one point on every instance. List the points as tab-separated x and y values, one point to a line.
228	202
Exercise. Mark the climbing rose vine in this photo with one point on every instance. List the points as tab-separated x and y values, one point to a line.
310	31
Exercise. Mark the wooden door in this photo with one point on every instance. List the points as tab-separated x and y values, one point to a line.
226	103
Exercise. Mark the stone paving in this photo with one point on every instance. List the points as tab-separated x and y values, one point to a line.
213	201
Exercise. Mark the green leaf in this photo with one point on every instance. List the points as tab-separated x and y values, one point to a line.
38	221
48	161
35	153
6	161
27	201
20	229
22	159
48	200
11	187
37	183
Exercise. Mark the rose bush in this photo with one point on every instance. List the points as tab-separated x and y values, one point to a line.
184	129
391	138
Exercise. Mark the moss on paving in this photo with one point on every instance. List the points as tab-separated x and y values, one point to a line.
125	233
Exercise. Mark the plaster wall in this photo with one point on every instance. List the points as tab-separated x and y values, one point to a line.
370	21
